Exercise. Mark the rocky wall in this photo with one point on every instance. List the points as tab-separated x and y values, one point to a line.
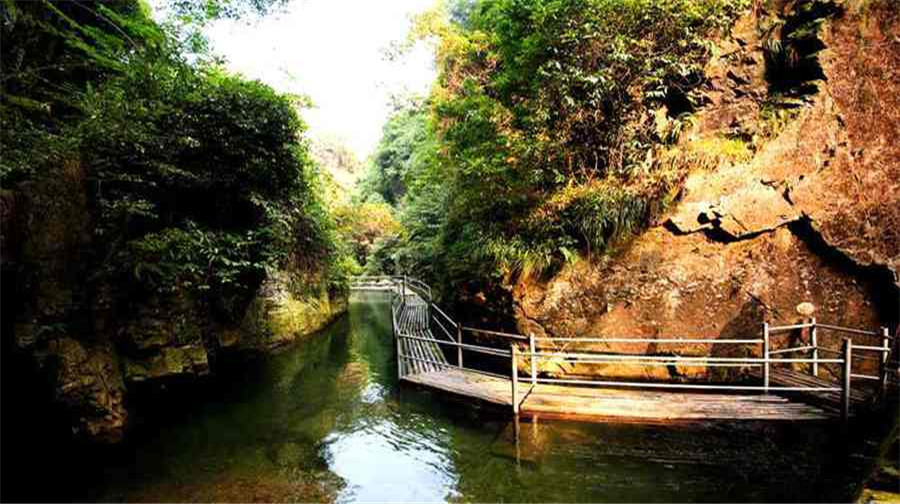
800	209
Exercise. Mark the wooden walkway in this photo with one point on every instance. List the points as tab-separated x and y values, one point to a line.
618	405
425	336
827	400
425	356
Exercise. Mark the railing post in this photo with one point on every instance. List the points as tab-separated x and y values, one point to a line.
766	357
459	359
533	359
886	346
399	359
845	389
813	340
393	321
515	378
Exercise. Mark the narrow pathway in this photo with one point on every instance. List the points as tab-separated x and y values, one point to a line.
778	395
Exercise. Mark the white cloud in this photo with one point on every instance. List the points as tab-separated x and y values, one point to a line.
331	51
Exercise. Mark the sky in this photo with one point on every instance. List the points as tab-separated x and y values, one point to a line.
333	52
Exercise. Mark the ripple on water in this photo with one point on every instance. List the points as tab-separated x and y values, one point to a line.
386	462
327	421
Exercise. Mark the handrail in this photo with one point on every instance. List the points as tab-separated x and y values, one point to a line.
791	350
651	340
439	324
673	358
475	348
851	330
455	325
415	282
884	350
767	357
419	290
792	327
496	333
838	352
872	348
688	385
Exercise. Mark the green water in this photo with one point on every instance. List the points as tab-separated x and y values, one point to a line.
327	420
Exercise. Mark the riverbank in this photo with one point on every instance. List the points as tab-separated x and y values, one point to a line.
326	420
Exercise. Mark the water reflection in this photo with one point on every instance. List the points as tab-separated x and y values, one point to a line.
326	420
383	452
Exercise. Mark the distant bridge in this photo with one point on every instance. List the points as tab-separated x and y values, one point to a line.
425	336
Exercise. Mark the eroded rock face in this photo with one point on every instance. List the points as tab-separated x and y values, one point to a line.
53	225
837	163
280	314
7	227
803	218
89	382
94	349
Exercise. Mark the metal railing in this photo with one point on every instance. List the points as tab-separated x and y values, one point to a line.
762	361
452	336
404	283
859	352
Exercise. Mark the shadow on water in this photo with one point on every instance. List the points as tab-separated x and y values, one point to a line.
326	420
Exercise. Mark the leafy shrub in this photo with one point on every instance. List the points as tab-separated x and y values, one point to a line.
396	156
363	224
544	121
200	180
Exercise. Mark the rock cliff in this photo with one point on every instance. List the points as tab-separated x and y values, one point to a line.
77	333
793	196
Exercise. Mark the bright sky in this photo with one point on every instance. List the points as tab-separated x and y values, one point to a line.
332	51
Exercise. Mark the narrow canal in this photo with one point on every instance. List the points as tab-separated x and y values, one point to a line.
327	420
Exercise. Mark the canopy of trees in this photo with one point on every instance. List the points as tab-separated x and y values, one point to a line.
546	136
200	180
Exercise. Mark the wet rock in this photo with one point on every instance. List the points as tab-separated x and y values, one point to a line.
280	314
169	362
91	339
166	321
89	382
8	239
53	237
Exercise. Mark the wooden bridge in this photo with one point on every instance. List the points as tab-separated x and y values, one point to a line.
425	336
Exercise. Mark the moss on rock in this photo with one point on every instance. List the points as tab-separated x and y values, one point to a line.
89	382
280	314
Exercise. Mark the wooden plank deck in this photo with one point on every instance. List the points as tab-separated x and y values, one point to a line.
426	356
605	404
424	363
830	400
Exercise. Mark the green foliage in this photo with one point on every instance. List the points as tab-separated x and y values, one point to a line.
565	82
200	180
175	148
362	224
221	265
406	172
50	53
792	45
396	155
201	11
544	124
